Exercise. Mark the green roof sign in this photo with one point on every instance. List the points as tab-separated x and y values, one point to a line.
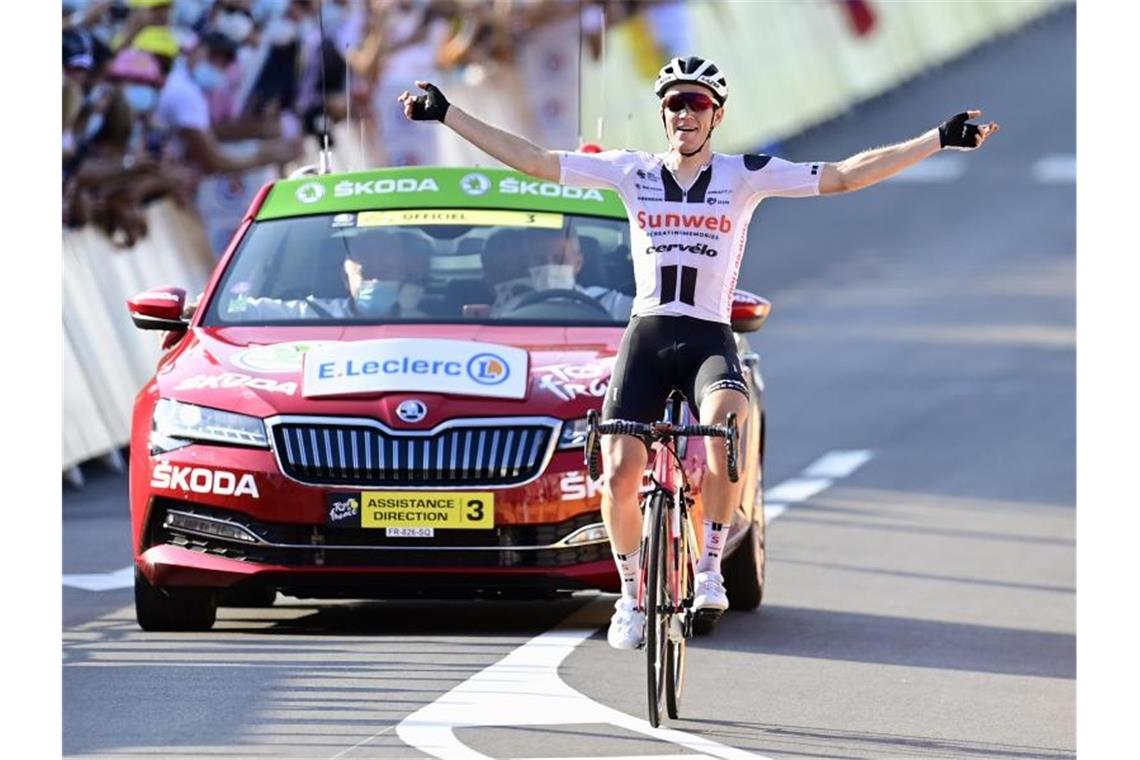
410	188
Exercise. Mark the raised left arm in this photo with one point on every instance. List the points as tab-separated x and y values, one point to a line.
875	165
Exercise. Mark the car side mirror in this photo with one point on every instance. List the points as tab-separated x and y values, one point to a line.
749	311
159	309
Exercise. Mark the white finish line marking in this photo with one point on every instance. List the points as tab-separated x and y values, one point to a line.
524	688
121	578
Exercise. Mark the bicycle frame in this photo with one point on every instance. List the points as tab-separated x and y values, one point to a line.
668	477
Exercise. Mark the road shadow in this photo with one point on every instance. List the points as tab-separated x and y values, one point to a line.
787	740
403	618
881	639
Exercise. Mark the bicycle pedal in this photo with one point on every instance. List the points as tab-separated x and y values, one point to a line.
705	620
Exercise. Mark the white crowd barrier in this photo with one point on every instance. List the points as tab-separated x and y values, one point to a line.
106	360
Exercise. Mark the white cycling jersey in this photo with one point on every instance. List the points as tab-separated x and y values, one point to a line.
687	243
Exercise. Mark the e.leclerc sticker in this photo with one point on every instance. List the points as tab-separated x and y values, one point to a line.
464	368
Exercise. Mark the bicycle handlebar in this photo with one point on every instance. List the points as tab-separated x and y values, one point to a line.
659	430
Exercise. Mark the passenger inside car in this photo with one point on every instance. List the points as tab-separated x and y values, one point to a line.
382	275
517	263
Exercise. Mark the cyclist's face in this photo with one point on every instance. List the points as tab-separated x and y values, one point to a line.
687	128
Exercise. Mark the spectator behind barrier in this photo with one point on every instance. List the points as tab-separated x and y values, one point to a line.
184	110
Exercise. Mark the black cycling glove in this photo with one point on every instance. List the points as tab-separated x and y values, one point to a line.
956	133
430	106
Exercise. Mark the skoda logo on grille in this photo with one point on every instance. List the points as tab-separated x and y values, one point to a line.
412	410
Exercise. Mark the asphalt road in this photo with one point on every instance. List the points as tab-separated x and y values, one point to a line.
921	606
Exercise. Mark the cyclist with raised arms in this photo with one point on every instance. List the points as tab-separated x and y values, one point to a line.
689	210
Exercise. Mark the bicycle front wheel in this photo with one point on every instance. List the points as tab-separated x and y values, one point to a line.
675	655
656	608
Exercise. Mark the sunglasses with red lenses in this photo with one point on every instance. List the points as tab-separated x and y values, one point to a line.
695	102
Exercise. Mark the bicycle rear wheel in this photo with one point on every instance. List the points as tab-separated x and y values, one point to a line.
656	600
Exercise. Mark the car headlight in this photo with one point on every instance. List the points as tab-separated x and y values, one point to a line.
177	424
573	434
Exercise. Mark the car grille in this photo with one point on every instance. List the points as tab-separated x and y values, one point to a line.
363	453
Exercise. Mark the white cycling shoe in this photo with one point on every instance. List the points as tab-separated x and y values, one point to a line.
711	600
627	626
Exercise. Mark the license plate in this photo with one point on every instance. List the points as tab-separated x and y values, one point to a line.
463	510
409	532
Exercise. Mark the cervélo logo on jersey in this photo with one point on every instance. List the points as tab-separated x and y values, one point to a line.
718	223
700	249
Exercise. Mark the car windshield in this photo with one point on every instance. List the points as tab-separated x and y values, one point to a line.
429	265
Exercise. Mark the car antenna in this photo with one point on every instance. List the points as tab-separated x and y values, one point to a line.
581	24
602	117
326	153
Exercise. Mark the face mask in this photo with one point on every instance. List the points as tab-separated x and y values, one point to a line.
68	141
280	31
552	277
187	13
410	295
140	97
332	15
267	10
208	76
376	297
236	26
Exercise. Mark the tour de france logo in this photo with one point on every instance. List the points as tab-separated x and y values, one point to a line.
475	184
310	192
487	369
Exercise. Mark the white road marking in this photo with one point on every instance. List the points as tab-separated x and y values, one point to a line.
941	167
673	756
121	578
524	689
798	489
838	464
1058	168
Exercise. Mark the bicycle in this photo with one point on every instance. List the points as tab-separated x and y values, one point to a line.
668	542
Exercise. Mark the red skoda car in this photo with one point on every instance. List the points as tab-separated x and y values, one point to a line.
382	393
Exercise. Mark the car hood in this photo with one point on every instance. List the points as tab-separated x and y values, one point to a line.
558	371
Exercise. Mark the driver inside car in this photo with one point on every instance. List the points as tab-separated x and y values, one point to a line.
553	262
384	278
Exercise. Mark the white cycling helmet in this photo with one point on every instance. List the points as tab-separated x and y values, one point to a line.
692	69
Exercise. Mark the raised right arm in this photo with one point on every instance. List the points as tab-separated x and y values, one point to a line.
514	151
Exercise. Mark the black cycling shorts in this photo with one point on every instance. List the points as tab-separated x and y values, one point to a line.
659	353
